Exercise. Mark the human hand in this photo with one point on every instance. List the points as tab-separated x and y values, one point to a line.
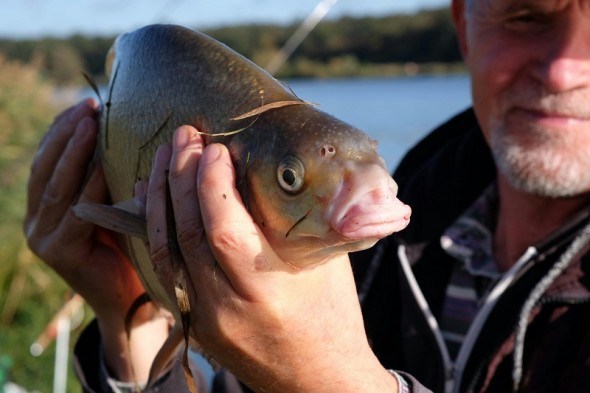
86	257
276	327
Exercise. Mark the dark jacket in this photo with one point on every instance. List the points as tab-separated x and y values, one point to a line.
403	279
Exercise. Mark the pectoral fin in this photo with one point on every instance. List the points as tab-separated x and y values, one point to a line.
115	218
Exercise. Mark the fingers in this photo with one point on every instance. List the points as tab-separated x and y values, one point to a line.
52	147
187	147
156	219
73	230
58	171
161	242
235	240
180	165
63	186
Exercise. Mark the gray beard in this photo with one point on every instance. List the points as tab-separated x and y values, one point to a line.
543	165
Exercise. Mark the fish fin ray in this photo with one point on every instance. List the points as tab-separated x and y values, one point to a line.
94	86
113	218
129	205
166	354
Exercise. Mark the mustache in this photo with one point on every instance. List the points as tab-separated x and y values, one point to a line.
573	103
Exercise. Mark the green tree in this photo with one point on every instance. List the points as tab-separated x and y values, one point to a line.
65	64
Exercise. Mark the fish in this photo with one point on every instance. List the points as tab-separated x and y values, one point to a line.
314	184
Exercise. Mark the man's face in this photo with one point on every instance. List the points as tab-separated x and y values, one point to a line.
530	66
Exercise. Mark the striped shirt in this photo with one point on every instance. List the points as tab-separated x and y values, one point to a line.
469	241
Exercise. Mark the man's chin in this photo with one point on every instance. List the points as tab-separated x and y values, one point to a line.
541	175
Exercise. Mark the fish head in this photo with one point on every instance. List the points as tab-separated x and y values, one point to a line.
320	188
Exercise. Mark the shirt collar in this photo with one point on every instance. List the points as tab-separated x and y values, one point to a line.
469	238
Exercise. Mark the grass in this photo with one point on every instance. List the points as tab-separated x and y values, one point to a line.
30	292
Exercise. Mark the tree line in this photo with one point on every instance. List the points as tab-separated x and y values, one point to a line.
344	46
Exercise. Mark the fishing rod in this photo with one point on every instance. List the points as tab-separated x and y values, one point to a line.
318	13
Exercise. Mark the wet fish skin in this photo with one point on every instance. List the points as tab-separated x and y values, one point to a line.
165	76
314	185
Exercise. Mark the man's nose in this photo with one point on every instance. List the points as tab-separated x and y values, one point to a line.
565	62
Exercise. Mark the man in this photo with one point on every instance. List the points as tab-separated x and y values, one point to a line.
486	290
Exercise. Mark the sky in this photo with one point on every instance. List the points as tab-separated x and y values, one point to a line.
62	18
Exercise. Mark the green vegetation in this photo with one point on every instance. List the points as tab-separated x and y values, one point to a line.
396	44
30	293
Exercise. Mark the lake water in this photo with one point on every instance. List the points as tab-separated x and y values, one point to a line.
397	112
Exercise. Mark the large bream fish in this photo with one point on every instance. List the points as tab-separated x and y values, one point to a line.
314	185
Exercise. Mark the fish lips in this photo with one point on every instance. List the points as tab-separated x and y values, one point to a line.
368	209
373	219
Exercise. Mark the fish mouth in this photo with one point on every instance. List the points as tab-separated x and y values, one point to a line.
366	206
365	220
362	209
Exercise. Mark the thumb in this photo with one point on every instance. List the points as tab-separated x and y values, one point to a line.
236	241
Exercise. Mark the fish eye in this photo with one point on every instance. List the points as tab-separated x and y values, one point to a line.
290	174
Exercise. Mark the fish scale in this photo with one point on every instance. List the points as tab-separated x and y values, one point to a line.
314	184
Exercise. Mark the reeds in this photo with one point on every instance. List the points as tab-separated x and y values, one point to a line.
29	291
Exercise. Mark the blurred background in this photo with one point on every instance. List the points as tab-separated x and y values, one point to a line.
390	67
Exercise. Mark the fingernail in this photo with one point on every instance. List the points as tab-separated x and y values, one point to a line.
92	103
211	153
180	138
77	111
